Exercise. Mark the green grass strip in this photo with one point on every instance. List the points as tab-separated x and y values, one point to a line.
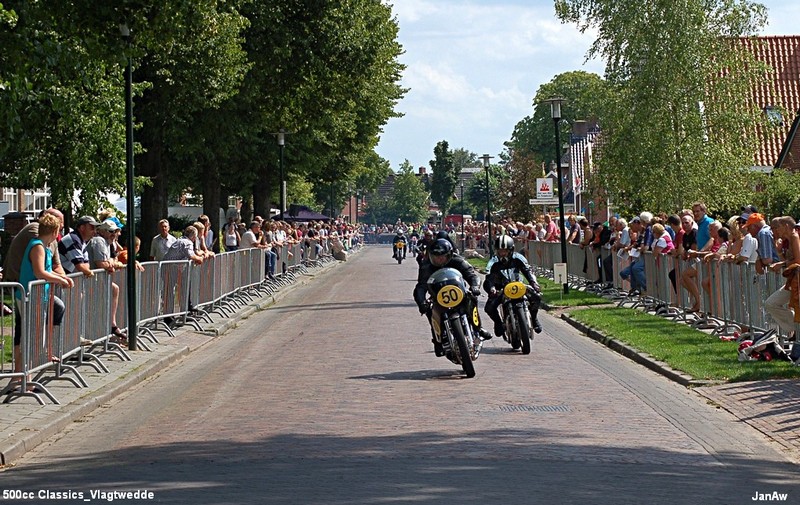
696	353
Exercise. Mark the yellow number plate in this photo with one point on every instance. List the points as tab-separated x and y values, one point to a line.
401	245
476	320
514	290
449	296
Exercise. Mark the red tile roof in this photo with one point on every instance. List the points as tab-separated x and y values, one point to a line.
782	53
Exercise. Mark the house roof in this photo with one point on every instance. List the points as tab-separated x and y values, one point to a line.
782	53
302	214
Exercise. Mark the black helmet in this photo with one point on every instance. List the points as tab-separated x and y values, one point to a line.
440	252
441	234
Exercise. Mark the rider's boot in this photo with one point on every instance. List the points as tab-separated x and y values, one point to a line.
437	348
499	330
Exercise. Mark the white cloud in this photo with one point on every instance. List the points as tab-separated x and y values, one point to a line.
474	66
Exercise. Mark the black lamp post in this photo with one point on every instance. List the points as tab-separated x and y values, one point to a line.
281	143
486	159
130	205
463	231
555	112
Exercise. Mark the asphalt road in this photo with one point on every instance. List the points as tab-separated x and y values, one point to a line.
334	396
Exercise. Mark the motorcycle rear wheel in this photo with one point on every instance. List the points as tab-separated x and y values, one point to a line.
463	350
524	329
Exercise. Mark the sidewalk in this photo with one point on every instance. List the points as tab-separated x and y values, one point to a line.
24	423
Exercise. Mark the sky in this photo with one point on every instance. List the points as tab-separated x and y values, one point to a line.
473	68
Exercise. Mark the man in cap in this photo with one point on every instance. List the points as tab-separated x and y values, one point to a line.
98	252
72	247
758	228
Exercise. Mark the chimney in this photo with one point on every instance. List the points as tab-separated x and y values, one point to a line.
423	170
580	128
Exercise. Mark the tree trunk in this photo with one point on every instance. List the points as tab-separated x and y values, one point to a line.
261	201
212	193
154	198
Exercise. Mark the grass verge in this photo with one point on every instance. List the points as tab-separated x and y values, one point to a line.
696	353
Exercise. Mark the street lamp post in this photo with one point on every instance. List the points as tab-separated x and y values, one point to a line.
281	143
463	230
130	205
486	159
555	112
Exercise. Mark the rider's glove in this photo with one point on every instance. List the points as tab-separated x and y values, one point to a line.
493	291
423	308
475	290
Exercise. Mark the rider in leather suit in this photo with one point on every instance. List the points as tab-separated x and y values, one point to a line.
400	237
440	255
505	266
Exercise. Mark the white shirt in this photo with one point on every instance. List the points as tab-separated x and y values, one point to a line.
749	248
249	240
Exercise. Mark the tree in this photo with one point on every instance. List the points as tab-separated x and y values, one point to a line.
678	114
583	92
475	193
462	158
61	104
444	176
520	181
409	198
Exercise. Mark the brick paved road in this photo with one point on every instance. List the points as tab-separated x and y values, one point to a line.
333	396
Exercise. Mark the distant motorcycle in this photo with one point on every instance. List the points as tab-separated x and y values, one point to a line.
398	251
516	316
454	318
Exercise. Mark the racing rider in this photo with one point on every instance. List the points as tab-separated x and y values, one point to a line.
504	267
440	255
399	238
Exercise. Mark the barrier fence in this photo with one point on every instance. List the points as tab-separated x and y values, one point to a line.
732	297
169	294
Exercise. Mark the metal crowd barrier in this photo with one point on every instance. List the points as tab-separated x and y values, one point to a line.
732	296
168	293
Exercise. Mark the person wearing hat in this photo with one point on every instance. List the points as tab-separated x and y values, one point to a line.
98	251
758	228
72	247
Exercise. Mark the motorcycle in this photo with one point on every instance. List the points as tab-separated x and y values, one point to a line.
516	316
398	251
454	318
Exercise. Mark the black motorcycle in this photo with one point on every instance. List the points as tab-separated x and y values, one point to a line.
454	318
398	251
516	316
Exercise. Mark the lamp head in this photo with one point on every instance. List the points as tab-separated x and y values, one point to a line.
555	107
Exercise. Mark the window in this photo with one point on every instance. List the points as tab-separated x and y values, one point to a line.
774	115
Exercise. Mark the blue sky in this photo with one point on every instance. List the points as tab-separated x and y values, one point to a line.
473	68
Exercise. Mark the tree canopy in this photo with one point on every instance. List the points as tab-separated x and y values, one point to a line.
214	81
678	123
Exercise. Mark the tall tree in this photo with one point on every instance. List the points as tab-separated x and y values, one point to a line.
445	176
679	114
409	198
583	92
61	101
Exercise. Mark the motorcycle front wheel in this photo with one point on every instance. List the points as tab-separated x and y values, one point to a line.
524	329
463	349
